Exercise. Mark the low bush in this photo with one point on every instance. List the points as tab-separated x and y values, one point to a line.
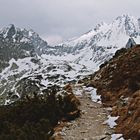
34	118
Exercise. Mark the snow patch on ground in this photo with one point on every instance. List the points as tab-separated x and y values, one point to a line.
117	137
7	101
78	92
93	92
44	82
111	121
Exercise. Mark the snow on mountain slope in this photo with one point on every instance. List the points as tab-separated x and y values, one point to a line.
109	34
34	74
28	64
18	37
25	66
100	44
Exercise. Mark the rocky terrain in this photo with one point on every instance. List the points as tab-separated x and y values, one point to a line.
117	82
26	59
28	66
90	125
25	65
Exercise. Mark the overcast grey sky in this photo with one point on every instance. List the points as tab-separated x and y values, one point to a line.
57	20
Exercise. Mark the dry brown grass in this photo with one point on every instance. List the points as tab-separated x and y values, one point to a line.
119	85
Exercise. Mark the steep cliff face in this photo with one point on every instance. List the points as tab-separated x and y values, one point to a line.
19	43
118	81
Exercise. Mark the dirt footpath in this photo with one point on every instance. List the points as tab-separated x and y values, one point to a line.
90	125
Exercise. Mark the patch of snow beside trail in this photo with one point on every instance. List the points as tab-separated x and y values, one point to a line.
117	137
78	92
94	97
111	121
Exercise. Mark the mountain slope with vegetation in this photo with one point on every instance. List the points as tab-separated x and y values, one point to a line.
29	68
36	117
118	83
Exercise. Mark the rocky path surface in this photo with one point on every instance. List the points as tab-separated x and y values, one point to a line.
90	125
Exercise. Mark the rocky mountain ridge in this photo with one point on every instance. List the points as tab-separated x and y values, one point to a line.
99	44
25	65
19	43
26	59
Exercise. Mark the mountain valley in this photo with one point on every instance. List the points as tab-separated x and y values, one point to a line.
106	58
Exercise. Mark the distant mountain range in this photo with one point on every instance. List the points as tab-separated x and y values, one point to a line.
28	64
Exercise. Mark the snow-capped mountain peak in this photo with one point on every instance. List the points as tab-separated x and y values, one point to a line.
124	24
25	56
16	34
127	23
22	39
100	43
